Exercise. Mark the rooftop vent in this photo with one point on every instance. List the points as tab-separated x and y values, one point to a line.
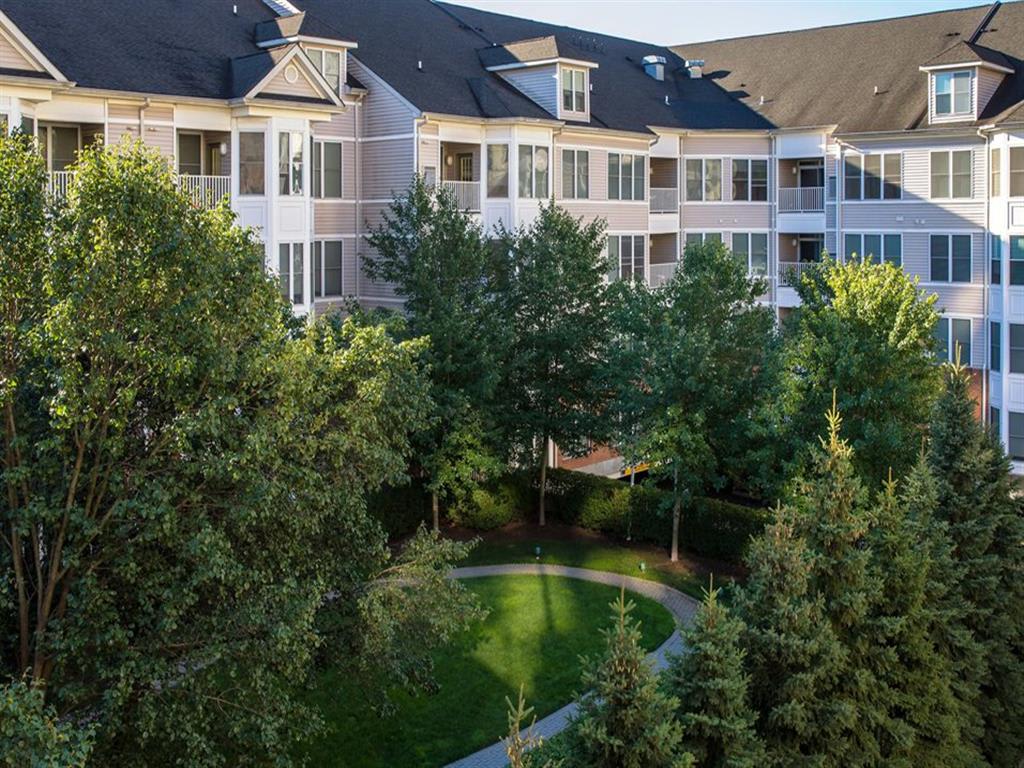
654	66
695	67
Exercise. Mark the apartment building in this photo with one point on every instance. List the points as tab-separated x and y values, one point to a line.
900	140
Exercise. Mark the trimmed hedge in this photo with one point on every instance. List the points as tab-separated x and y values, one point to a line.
485	509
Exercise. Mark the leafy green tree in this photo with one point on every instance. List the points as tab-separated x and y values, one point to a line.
977	498
31	734
712	688
865	331
627	722
708	338
793	655
441	264
556	310
184	475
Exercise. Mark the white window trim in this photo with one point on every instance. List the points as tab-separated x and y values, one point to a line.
749	160
883	198
949	189
306	264
646	254
568	71
704	181
949	258
575	174
341	63
750	251
950	351
533	171
882	235
303	143
177	149
632	177
1008	180
236	162
317	183
950	117
319	241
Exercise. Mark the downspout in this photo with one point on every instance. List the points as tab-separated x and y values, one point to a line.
986	276
773	222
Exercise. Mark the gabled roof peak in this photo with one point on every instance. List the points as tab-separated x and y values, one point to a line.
531	51
964	53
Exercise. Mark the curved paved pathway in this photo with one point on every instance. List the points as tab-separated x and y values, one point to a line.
682	607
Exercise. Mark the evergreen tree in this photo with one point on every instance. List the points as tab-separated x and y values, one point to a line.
977	499
626	721
555	306
794	657
910	548
711	685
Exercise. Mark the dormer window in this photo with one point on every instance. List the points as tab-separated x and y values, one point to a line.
574	90
329	64
953	94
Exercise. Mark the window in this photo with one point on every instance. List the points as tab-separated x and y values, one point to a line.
704	180
1017	260
995	173
290	161
290	258
993	419
951	174
533	171
874	177
327	169
329	64
953	93
251	173
627	176
995	332
1016	171
574	90
996	259
430	176
497	170
1015	444
951	258
1016	348
190	154
750	180
875	248
751	250
626	257
699	238
3	123
952	334
575	174
327	269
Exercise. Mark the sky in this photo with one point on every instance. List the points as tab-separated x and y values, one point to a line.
665	22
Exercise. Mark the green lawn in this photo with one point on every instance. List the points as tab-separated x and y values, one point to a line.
537	628
597	554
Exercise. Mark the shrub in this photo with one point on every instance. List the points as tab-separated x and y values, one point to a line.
401	508
722	529
484	509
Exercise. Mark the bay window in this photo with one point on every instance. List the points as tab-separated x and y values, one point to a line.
290	272
1016	260
290	162
497	170
251	163
533	171
1016	171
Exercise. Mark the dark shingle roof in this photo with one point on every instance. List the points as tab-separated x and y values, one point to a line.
294	25
969	53
828	75
525	51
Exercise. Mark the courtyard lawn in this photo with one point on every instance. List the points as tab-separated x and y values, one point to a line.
537	628
582	549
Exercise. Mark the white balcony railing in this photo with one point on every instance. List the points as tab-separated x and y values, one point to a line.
791	271
664	200
801	199
661	273
205	191
467	193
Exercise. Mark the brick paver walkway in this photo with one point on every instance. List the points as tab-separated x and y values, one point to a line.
682	607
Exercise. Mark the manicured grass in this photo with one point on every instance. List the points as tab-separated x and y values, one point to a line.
598	554
536	630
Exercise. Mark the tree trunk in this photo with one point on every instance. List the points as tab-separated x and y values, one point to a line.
677	508
543	479
434	508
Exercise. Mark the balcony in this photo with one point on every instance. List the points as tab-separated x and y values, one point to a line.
466	194
664	200
662	273
204	191
801	199
790	272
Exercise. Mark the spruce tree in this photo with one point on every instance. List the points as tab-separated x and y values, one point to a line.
627	721
793	655
710	682
976	498
911	552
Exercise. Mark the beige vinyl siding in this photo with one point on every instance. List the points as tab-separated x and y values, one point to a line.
384	112
387	167
717	216
11	58
334	217
620	216
949	215
302	87
367	288
342	126
539	84
162	138
726	145
988	82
